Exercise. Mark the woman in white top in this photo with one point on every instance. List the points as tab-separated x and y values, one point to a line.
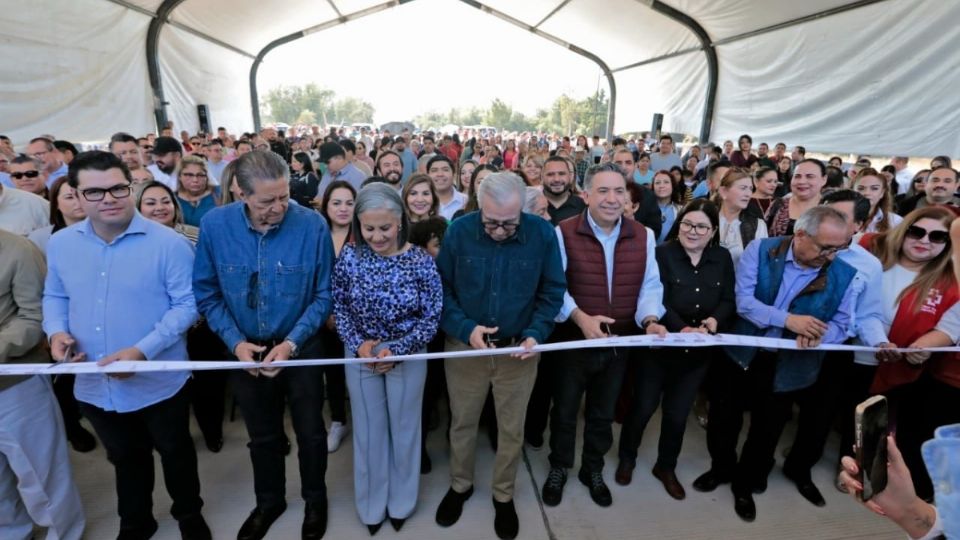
872	185
737	226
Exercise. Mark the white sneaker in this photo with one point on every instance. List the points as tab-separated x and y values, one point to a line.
337	432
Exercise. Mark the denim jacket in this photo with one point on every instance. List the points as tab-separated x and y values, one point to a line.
263	286
942	456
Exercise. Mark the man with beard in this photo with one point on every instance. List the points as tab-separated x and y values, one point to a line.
124	146
649	212
409	159
146	149
941	186
167	154
389	166
557	178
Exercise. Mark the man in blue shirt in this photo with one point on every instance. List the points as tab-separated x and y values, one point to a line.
790	287
42	149
118	288
838	380
503	285
262	280
338	168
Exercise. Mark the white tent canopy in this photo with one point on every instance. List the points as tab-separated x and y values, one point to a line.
867	76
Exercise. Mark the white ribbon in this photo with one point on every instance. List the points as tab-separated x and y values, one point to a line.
671	340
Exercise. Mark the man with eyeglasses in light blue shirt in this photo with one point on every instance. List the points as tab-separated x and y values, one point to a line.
118	287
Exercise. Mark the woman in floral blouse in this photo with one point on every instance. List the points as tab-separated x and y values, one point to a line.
387	300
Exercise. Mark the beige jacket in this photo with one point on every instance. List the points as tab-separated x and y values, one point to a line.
22	271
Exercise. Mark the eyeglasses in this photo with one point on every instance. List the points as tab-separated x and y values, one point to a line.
699	228
826	251
39	155
119	191
919	233
492	226
198	176
28	174
147	147
252	290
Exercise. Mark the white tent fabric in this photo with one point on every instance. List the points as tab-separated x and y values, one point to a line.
877	79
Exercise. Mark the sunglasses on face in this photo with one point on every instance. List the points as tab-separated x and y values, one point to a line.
919	233
28	174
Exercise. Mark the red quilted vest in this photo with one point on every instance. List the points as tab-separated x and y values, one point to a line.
587	272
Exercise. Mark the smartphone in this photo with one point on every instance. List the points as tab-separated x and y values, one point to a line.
871	425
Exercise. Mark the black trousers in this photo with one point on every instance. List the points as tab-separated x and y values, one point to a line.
262	402
670	377
69	408
599	374
538	408
336	381
130	438
207	388
856	388
818	406
922	407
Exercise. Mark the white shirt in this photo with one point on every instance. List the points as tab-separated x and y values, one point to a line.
903	179
22	212
650	299
894	221
731	240
456	203
169	180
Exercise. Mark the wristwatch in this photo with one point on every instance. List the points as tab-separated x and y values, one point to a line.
294	350
648	322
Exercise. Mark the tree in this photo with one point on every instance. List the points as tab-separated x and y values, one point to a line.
307	117
351	110
309	103
499	114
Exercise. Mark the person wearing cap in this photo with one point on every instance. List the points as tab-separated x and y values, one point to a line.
338	167
167	153
581	163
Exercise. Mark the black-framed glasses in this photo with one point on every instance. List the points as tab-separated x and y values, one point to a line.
826	251
252	285
919	233
492	226
119	191
699	228
28	174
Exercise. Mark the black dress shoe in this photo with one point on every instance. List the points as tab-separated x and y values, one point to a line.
745	507
214	444
81	440
194	528
553	486
599	491
397	523
709	481
624	474
314	521
374	528
505	522
535	440
761	487
142	532
806	488
451	507
425	464
259	522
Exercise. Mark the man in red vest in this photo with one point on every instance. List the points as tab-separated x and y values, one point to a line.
613	288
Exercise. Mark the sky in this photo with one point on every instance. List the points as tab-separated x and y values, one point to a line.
415	58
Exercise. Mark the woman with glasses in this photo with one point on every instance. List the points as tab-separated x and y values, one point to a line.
194	192
387	299
698	282
336	207
875	188
918	185
737	226
920	309
304	183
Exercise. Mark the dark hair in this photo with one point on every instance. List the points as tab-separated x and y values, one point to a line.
472	204
801	150
56	216
636	192
861	205
838	158
330	150
348	145
50	143
817	162
121	137
373	180
376	165
557	159
304	160
423	231
698	205
66	146
665	137
327	193
420	178
438	158
243	141
429	138
834	177
94	160
712	168
942	159
618	141
745	136
177	211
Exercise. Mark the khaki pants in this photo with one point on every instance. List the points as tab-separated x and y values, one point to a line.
468	380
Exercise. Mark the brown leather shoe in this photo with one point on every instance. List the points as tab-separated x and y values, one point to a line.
624	473
670	483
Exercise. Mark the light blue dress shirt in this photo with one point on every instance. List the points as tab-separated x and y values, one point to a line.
6	181
348	173
773	319
650	299
61	171
133	292
866	293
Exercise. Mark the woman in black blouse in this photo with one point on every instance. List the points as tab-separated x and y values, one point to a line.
698	294
304	184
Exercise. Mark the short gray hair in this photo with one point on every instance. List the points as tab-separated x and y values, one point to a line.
530	200
379	196
501	187
810	221
263	166
602	168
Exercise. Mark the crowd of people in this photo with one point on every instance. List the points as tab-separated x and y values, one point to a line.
263	248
